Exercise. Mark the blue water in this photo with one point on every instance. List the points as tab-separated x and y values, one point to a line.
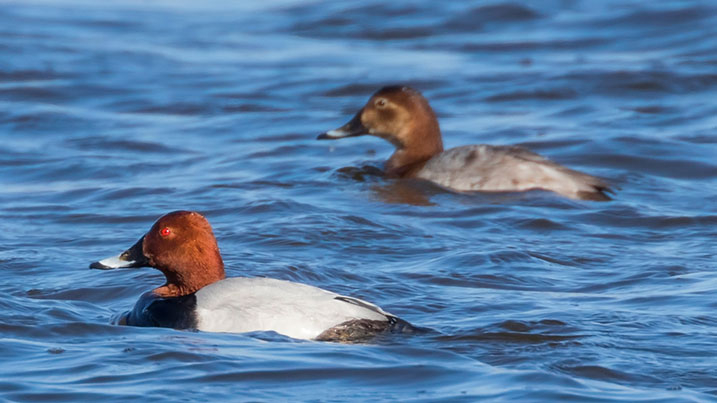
114	114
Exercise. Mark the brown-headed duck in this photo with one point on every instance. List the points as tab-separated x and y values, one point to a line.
402	116
197	295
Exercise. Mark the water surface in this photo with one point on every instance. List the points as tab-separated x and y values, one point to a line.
114	114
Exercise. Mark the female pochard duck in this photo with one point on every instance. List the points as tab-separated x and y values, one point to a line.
197	295
402	116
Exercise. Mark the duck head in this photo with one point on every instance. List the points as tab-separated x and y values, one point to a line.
182	246
401	116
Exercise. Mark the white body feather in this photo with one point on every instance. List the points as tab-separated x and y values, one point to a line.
505	168
296	310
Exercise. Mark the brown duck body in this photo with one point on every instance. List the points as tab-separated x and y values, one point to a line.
402	116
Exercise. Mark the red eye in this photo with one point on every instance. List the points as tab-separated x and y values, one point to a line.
165	231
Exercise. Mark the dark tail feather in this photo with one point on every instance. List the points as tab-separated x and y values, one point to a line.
398	325
600	194
363	330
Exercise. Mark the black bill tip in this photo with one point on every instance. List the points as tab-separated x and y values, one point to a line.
99	266
324	136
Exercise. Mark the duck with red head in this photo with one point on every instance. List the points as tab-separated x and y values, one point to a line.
402	116
197	295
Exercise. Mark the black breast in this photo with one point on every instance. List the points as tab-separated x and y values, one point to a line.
154	311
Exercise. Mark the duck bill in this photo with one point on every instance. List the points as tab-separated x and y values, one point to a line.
132	257
353	128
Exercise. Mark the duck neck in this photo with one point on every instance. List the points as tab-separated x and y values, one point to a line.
190	280
410	156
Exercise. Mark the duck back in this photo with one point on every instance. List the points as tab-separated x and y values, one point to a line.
508	169
296	310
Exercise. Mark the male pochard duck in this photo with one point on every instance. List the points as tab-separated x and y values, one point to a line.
197	295
402	116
